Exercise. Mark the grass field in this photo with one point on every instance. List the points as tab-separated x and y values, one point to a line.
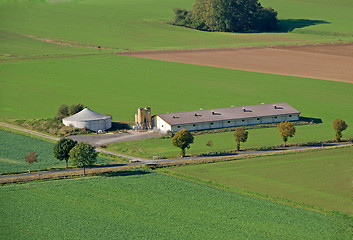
152	206
137	25
319	178
14	147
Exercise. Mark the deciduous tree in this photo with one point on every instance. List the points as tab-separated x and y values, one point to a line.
339	125
62	148
30	158
83	155
182	140
286	129
75	108
63	111
227	16
240	135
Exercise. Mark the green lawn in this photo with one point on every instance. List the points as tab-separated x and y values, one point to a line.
146	205
14	147
137	25
320	178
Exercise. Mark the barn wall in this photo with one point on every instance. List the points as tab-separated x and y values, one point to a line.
162	126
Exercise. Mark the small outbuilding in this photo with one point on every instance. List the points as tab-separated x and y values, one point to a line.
90	120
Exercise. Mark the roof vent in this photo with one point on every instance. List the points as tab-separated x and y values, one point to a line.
244	110
275	106
197	115
213	113
175	117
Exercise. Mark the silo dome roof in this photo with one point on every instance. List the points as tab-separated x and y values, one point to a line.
86	115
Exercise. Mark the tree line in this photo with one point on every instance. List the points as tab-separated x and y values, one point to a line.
84	155
183	138
227	16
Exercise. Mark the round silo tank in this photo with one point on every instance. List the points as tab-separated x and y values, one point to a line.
136	119
148	116
141	116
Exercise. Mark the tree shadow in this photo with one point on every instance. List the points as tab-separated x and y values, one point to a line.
125	173
310	119
288	25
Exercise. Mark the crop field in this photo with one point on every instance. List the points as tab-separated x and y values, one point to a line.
14	147
329	62
148	205
139	25
320	178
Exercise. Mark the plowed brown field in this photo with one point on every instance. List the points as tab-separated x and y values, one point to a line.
330	62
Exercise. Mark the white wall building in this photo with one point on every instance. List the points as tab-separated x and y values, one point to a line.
225	117
90	120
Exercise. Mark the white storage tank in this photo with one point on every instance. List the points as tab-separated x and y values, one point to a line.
90	120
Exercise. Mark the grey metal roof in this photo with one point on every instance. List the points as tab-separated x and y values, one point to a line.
223	114
86	115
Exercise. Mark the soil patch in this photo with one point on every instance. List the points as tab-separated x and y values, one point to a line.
329	62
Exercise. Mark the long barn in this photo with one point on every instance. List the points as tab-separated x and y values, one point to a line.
225	117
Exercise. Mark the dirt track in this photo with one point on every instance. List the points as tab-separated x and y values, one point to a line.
330	62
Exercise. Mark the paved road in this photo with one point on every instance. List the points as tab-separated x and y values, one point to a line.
143	161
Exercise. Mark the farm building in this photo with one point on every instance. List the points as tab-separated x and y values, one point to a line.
90	120
225	117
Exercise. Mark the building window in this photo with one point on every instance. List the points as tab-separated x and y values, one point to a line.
178	126
228	121
243	120
290	115
211	123
162	125
258	119
193	125
275	117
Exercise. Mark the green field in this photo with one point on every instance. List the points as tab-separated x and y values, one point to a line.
14	147
137	25
118	85
152	206
318	178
